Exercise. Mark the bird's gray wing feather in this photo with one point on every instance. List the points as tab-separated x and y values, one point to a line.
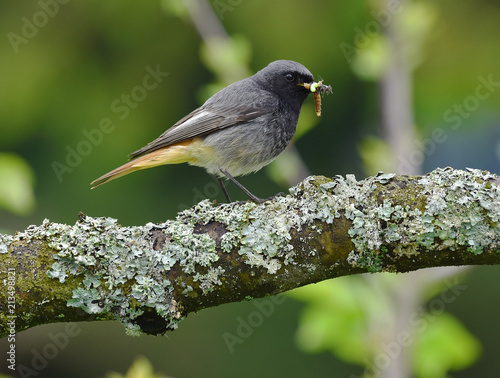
219	112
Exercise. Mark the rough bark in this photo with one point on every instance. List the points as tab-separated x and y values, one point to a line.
150	277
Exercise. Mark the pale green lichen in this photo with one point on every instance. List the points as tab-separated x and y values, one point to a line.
4	241
98	249
262	233
210	279
464	208
132	329
449	210
370	261
112	257
122	273
87	300
185	247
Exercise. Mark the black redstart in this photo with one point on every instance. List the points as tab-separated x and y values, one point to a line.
238	130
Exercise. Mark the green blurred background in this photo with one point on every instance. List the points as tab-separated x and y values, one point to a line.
66	67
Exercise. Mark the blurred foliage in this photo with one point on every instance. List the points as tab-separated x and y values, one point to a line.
348	315
16	184
415	26
90	58
444	345
228	59
335	318
141	368
375	155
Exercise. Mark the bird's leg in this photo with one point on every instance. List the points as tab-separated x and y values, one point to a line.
245	190
221	183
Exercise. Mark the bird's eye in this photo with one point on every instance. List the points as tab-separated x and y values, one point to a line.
290	77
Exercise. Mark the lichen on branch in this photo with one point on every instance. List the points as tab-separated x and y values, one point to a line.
150	277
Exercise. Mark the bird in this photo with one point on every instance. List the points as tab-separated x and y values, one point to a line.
237	131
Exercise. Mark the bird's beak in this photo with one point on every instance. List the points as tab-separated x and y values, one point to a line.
306	85
312	86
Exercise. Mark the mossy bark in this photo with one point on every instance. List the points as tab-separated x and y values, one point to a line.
150	277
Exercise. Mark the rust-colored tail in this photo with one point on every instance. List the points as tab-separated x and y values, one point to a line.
174	154
115	173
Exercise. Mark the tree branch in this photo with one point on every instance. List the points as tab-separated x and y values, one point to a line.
152	276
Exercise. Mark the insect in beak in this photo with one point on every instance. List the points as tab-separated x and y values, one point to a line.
318	88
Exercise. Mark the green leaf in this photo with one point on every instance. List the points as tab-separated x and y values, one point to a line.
444	345
376	155
343	316
335	318
16	184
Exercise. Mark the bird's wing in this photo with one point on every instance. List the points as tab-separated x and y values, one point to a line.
216	114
